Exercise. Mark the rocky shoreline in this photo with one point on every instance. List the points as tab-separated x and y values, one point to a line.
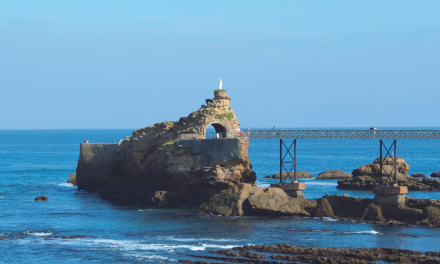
298	254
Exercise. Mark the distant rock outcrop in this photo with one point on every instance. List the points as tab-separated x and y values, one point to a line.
333	174
368	176
299	175
435	175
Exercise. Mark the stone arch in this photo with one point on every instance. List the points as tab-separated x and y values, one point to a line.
221	126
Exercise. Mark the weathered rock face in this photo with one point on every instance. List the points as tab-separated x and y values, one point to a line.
94	161
333	174
229	202
368	176
153	167
374	169
299	175
274	201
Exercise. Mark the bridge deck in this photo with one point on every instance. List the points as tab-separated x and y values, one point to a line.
322	134
344	134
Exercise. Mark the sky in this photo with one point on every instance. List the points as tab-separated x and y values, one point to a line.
130	64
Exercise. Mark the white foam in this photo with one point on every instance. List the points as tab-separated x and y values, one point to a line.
66	185
263	185
329	219
39	233
373	232
197	239
143	210
2	197
140	256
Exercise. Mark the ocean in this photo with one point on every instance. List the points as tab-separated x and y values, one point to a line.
38	162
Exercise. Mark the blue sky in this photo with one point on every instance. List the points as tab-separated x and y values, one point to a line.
130	64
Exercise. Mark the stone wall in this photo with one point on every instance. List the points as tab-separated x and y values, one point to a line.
217	149
94	161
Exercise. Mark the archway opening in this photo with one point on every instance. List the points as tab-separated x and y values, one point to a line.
216	131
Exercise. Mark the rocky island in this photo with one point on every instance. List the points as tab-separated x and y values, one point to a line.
175	163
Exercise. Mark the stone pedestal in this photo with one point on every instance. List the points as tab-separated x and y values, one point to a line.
390	201
292	189
294	186
390	190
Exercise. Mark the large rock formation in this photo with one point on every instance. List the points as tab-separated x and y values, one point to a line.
333	174
368	176
154	167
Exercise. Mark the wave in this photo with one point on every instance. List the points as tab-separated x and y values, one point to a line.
197	239
329	219
140	256
132	245
66	185
373	232
38	233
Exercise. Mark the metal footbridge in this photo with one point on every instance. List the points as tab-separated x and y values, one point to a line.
289	158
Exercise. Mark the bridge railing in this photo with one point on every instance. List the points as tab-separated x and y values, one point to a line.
219	135
344	134
320	134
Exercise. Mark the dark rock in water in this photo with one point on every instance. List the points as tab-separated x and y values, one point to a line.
268	177
323	209
229	202
72	179
434	183
433	215
368	176
418	175
333	174
41	198
373	213
435	175
299	175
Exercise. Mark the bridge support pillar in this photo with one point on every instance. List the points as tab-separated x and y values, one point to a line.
294	187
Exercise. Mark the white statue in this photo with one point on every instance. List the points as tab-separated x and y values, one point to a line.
220	85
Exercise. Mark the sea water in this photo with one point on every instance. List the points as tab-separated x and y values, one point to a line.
38	162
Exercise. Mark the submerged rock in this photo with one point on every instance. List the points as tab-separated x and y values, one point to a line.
299	175
333	174
41	198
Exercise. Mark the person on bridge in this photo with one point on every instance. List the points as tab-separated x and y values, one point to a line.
273	128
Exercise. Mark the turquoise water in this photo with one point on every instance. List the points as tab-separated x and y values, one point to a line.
38	162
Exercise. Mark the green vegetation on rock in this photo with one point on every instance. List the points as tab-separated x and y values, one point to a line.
229	116
211	109
219	90
169	143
